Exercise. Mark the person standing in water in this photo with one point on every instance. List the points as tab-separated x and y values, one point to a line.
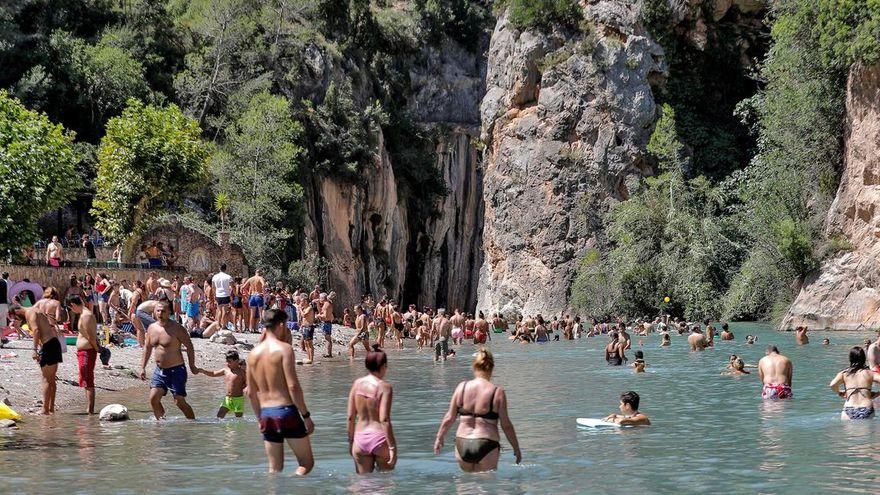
476	440
858	381
800	336
775	371
696	340
614	353
872	352
481	329
370	434
277	397
47	355
167	336
363	333
87	348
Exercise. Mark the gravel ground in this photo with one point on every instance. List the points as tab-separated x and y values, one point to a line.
20	379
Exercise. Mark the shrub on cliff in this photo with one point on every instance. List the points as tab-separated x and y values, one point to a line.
150	156
541	14
37	172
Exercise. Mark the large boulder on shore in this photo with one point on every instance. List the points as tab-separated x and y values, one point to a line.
114	412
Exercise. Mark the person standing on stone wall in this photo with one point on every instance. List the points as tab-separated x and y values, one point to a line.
221	283
91	257
54	253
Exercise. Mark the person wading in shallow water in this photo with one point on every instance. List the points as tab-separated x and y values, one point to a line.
277	397
167	336
87	348
47	350
370	435
858	381
476	440
775	371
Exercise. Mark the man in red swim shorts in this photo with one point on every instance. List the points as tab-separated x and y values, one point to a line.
775	371
87	348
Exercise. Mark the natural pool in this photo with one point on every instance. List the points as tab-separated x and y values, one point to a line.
711	433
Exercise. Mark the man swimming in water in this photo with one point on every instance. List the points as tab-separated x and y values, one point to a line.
629	407
277	397
775	371
737	368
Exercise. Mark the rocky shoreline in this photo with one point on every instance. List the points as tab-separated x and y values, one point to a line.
20	385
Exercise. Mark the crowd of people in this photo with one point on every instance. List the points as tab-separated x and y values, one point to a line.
165	315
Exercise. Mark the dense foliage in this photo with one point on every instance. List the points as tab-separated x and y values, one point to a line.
150	157
37	162
541	14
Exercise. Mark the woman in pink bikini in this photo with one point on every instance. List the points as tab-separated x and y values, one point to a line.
370	434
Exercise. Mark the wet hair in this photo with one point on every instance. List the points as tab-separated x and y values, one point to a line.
857	360
640	355
725	327
665	337
232	354
74	299
772	348
739	364
630	398
51	293
375	359
272	317
481	315
483	361
706	322
222	267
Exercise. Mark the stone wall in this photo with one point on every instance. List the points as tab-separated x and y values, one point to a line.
197	253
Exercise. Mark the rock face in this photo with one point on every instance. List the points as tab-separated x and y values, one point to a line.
566	119
844	295
364	229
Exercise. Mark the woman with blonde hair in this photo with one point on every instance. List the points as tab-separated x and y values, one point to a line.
476	440
370	435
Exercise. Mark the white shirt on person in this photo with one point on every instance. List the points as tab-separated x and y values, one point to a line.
221	283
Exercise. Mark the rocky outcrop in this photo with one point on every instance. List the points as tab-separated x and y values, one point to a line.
845	294
566	119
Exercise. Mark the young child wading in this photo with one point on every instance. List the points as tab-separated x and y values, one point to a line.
236	379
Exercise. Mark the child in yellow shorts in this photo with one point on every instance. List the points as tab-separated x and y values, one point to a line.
236	381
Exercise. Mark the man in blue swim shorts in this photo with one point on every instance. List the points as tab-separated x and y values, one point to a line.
166	336
326	315
284	416
256	285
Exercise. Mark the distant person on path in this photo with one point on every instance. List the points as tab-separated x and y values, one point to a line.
629	407
858	381
54	253
167	336
276	396
235	377
775	371
47	350
800	336
87	348
370	434
477	446
221	283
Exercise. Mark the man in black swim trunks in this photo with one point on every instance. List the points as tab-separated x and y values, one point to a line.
276	395
47	350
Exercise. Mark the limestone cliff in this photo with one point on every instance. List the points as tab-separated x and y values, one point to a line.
844	294
363	228
566	119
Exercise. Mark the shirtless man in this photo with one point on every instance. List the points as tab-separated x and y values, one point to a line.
152	283
54	253
481	330
696	340
47	349
397	324
498	323
167	336
800	336
624	337
307	314
87	348
255	285
277	397
710	334
568	328
442	330
363	333
726	334
775	371
315	293
873	355
326	316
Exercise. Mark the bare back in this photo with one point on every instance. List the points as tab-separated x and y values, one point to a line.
267	364
775	369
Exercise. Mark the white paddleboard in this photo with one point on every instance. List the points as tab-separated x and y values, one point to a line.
595	423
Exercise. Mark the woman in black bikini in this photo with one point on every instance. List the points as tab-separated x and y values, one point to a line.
614	354
857	381
476	440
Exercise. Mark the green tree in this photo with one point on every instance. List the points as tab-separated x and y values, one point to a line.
37	171
150	156
256	171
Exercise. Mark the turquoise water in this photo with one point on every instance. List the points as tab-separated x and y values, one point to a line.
710	432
